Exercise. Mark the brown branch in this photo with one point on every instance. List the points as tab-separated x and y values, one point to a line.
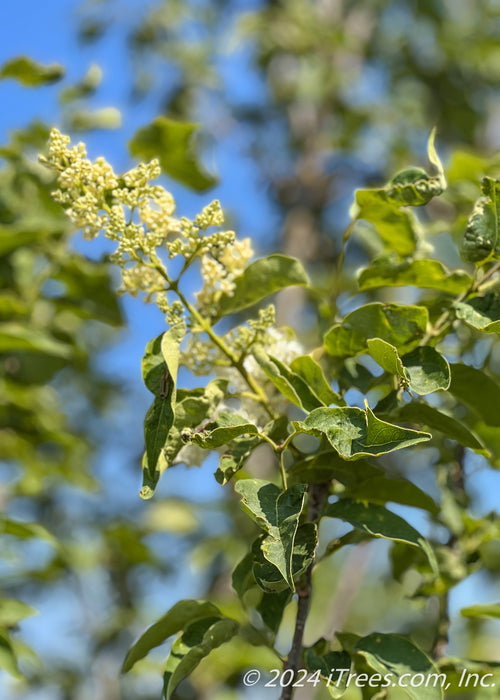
317	495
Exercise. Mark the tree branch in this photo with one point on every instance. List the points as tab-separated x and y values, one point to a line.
317	495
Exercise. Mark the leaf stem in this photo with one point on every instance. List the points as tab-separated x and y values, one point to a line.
207	328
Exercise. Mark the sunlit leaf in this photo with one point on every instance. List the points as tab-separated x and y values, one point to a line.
427	370
355	433
289	383
481	312
222	431
390	654
261	279
425	274
278	514
401	326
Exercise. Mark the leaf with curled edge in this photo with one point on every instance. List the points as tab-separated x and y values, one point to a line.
160	366
401	326
480	312
424	274
355	433
278	514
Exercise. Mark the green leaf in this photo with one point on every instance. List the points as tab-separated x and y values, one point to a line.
480	238
310	371
481	312
222	431
27	531
381	489
397	656
160	376
234	459
29	73
175	620
396	228
427	370
199	639
419	412
425	274
386	356
492	610
377	521
401	326
330	664
278	514
325	466
243	578
13	611
271	608
16	336
173	143
8	659
290	384
477	390
268	576
88	120
355	433
261	279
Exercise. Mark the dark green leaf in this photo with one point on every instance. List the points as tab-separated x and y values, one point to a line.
377	521
175	620
425	274
381	489
199	639
173	143
160	376
355	433
477	390
261	279
271	608
480	238
422	413
243	578
30	73
401	326
427	370
278	514
234	459
397	656
330	664
325	466
481	312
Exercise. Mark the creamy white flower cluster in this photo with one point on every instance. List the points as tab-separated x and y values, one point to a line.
140	217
